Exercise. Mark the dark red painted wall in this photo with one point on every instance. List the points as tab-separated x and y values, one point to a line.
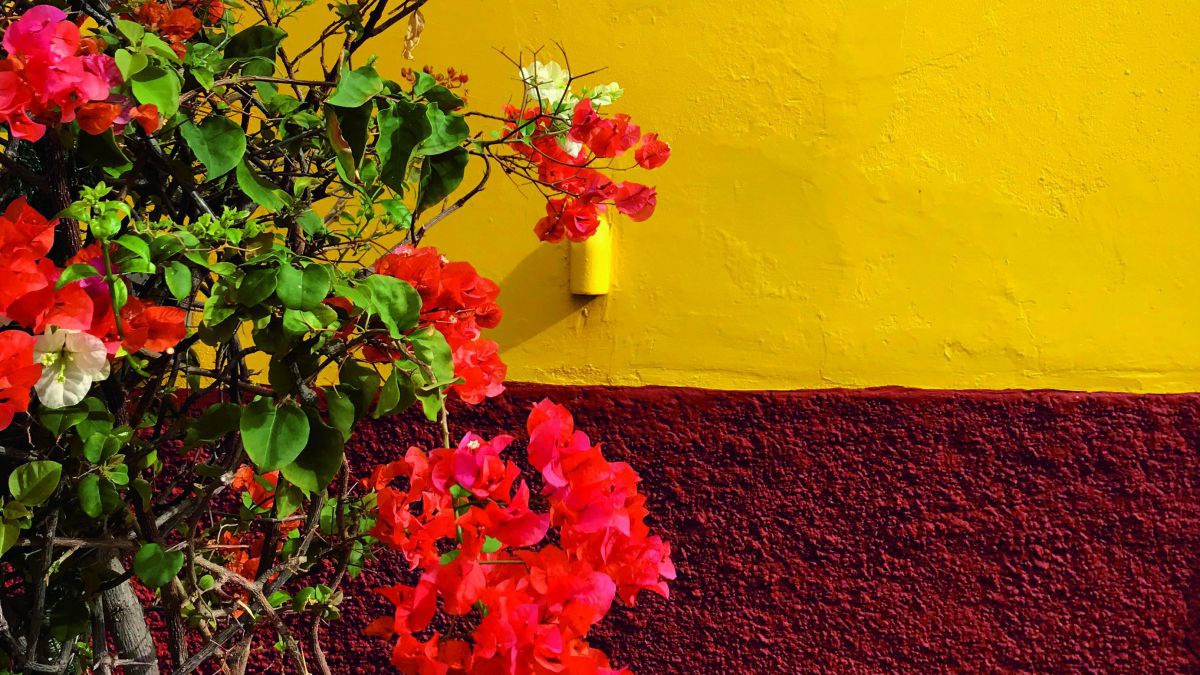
889	530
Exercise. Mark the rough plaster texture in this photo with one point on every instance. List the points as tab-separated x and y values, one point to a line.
932	193
889	530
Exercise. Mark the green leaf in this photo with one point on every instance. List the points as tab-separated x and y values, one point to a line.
273	437
356	87
396	395
312	224
156	46
264	193
402	127
446	132
9	533
156	566
363	383
397	211
103	152
257	286
130	63
89	495
179	280
96	419
288	499
423	83
431	348
219	419
355	124
303	289
75	273
322	456
343	154
135	244
132	30
341	411
255	42
93	448
158	86
394	301
440	175
34	482
219	143
443	98
297	322
491	544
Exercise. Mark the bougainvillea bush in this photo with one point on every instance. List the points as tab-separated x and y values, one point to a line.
212	271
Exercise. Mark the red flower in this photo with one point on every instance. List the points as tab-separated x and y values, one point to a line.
97	117
535	607
459	303
18	374
652	153
571	218
261	488
636	201
604	137
475	465
515	525
151	327
68	307
478	364
49	72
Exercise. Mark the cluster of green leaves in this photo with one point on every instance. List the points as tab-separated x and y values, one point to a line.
254	208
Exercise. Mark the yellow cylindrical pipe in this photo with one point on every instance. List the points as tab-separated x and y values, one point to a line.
591	262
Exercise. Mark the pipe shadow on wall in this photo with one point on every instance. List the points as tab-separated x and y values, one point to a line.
535	296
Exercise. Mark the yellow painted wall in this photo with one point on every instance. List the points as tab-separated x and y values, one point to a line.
932	193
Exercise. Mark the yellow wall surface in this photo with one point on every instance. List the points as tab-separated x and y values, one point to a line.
931	193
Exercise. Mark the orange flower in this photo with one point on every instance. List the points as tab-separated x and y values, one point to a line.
97	117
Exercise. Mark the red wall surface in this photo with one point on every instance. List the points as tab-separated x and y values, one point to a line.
886	530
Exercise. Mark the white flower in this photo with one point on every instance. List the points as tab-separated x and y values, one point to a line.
605	94
71	361
569	146
547	84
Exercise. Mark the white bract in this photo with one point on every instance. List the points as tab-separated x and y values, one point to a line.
547	84
71	362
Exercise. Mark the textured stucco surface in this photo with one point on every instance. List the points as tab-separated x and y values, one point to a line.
931	193
889	531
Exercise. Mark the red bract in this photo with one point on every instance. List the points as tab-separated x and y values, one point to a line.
636	201
261	488
459	303
479	546
566	162
175	26
652	153
568	218
605	137
29	297
18	374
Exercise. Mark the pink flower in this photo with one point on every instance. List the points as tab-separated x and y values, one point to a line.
49	73
476	466
42	32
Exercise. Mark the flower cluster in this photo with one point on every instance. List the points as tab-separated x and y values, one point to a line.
463	519
459	303
564	137
73	325
175	26
52	74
